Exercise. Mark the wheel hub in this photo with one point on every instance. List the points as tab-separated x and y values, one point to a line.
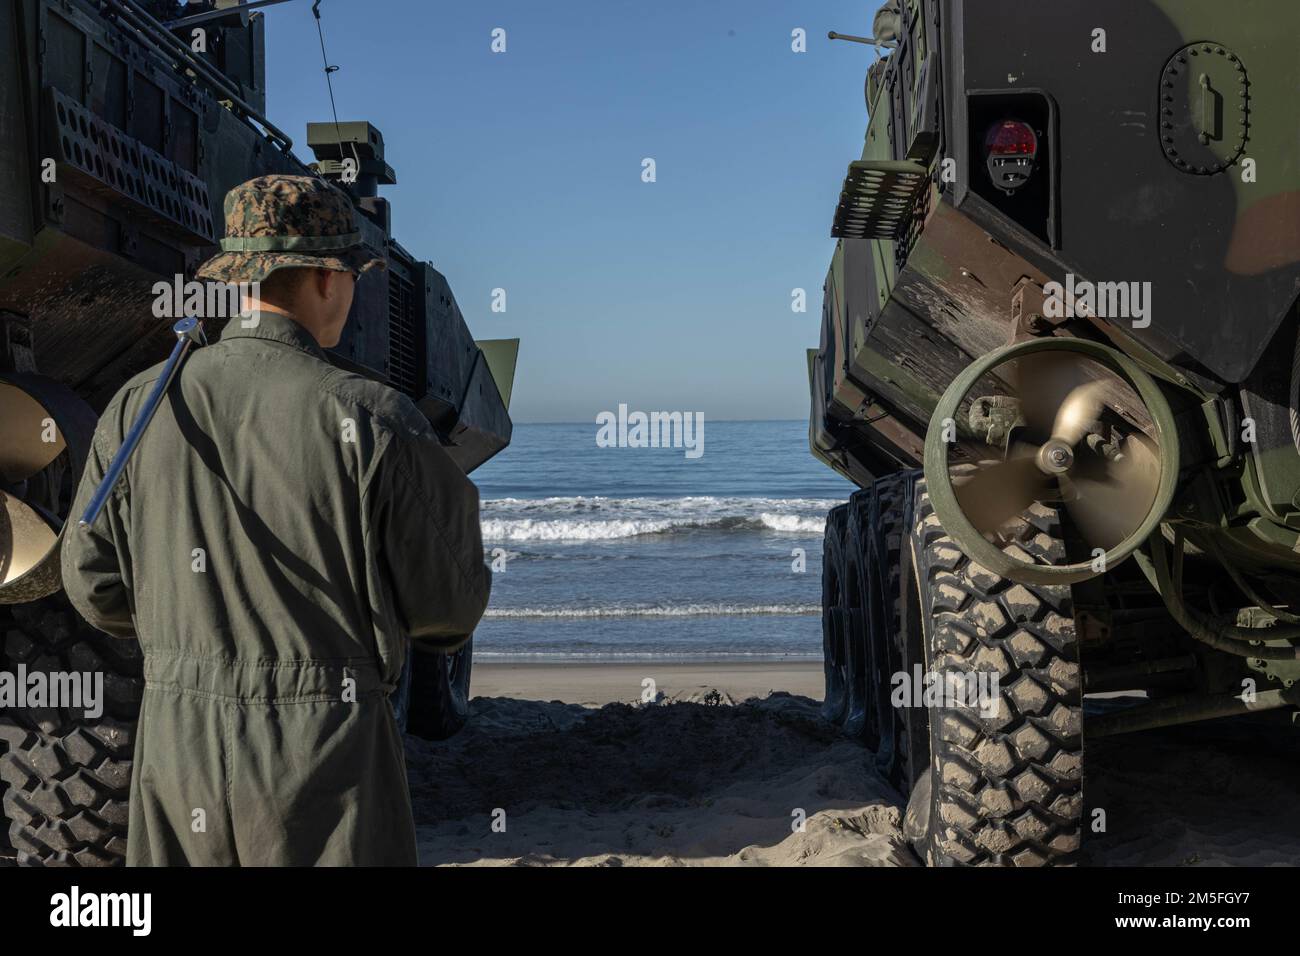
1055	457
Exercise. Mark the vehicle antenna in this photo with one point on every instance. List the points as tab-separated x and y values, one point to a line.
329	68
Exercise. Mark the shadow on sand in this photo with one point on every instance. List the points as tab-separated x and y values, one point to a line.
691	783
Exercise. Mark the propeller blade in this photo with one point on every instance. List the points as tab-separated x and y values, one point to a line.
1079	410
1111	500
996	493
1043	382
25	538
23	428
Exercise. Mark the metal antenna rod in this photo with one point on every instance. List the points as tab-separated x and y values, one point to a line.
869	41
189	332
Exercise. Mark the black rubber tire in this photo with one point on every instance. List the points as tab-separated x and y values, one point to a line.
835	697
439	704
903	749
66	778
7	855
1003	789
859	720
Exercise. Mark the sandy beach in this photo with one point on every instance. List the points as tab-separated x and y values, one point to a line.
723	768
594	685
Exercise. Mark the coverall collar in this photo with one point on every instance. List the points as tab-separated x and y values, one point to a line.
274	327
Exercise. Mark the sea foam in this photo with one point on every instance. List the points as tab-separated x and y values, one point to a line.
604	519
681	610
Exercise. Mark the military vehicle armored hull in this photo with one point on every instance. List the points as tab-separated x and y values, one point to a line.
1059	355
120	135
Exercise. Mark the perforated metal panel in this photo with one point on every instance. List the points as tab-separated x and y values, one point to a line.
877	199
113	161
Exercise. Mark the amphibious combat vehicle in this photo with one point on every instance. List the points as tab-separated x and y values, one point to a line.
1060	357
122	126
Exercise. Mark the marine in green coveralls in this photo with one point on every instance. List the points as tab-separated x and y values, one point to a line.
282	529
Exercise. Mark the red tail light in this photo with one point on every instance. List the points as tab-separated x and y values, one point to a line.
1010	138
1009	150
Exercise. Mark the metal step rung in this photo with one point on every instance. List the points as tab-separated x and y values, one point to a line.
878	198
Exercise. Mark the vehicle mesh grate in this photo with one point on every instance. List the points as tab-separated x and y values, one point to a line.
403	344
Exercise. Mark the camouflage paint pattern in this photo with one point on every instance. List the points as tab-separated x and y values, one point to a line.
1220	251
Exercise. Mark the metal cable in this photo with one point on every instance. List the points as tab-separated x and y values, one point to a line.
329	83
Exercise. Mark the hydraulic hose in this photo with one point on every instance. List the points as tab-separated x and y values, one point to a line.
1226	638
1247	589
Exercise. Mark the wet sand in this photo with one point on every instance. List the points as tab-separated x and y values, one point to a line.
595	685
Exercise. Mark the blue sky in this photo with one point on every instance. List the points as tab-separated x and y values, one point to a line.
522	171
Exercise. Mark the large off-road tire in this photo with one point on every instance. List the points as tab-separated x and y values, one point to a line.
834	654
859	720
1003	788
903	749
65	778
439	704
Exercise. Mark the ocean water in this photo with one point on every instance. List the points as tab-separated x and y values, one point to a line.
626	554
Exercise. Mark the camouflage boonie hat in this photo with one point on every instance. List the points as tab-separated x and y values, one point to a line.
274	222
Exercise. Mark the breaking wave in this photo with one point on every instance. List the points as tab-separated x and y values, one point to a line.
605	519
681	610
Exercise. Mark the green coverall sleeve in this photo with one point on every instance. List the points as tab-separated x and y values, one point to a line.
427	518
93	567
